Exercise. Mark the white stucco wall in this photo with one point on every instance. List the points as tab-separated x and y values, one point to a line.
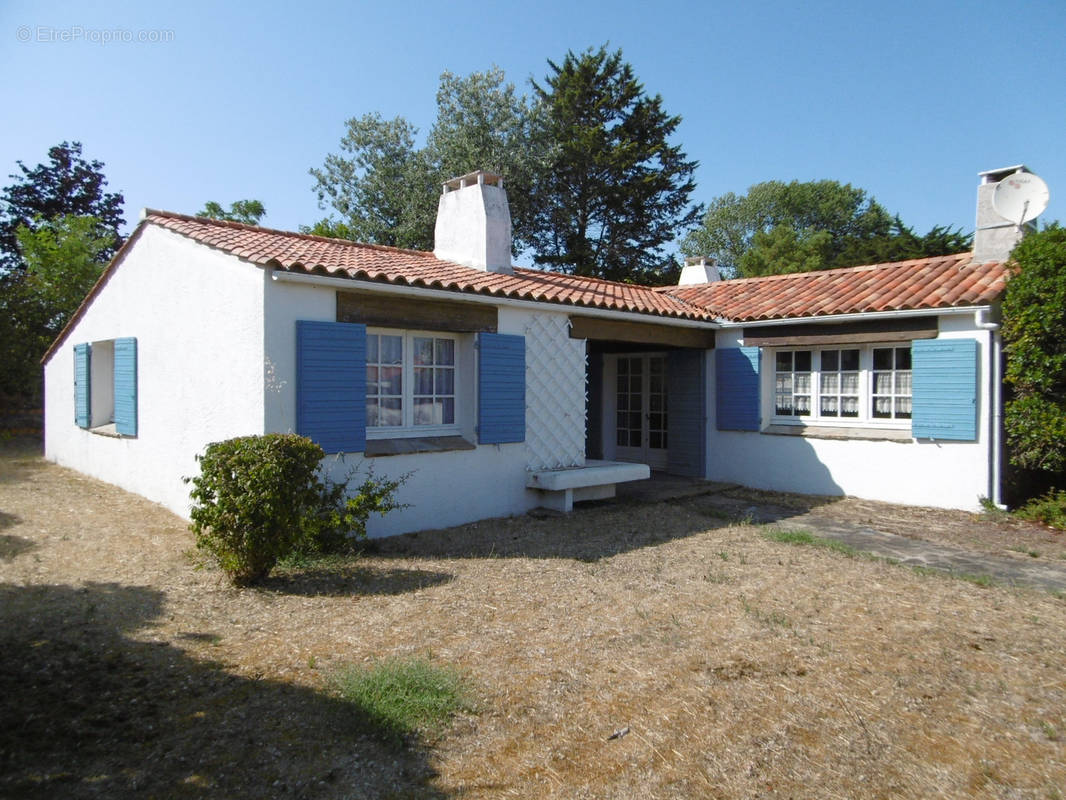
442	489
197	315
945	474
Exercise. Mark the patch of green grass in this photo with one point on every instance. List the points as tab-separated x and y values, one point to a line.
808	538
404	697
1026	551
1049	731
768	618
985	581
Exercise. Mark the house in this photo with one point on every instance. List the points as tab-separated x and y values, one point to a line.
500	389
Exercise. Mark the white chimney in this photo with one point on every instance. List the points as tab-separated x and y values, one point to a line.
995	236
699	269
474	223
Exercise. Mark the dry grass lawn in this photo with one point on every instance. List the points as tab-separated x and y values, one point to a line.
736	666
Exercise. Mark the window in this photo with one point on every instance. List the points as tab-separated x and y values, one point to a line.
410	381
892	383
105	386
870	384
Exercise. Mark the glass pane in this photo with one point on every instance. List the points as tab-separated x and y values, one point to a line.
903	358
623	401
655	422
803	405
445	351
447	406
849	383
634	421
849	407
882	407
784	382
372	412
371	380
829	406
622	384
803	361
622	438
636	366
803	382
655	439
636	403
882	383
423	348
903	407
655	366
830	360
655	402
444	381
372	348
882	358
423	380
391	413
784	362
849	359
903	383
391	380
783	404
830	383
656	384
391	350
623	366
425	412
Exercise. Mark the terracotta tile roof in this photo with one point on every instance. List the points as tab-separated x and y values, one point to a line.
295	252
921	283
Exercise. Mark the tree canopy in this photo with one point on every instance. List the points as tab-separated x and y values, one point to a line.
615	191
247	211
385	187
779	227
1034	330
67	184
58	229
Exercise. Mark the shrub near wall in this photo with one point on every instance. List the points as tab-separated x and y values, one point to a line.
260	498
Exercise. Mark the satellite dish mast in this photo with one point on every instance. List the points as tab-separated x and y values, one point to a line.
1020	197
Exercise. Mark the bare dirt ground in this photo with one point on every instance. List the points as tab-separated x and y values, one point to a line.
739	667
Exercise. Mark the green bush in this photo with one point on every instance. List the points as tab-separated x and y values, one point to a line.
261	498
1049	509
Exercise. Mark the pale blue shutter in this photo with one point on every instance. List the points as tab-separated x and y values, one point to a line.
331	385
686	400
82	388
737	388
945	389
126	386
501	388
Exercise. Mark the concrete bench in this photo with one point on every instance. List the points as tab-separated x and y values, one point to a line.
561	488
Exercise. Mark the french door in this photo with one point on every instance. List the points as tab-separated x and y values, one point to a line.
640	410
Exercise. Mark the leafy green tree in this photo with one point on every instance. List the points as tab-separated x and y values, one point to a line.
385	188
615	191
782	227
62	259
382	185
1034	330
483	123
247	211
67	184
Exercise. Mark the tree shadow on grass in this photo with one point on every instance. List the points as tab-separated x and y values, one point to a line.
11	547
90	712
344	578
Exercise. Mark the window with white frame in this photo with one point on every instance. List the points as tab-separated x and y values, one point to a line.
843	384
410	382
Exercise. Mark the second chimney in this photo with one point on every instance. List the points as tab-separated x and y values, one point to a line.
474	223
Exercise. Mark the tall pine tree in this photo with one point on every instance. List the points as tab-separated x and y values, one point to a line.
615	191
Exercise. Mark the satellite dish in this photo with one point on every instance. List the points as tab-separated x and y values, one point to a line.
1020	197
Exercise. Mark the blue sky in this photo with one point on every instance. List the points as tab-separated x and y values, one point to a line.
908	100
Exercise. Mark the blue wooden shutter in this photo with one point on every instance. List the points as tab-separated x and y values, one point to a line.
126	386
82	388
686	400
737	388
501	388
331	385
945	389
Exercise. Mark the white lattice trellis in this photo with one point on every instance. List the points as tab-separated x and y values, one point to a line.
555	394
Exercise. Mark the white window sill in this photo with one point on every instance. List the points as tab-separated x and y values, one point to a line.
109	430
834	432
416	444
